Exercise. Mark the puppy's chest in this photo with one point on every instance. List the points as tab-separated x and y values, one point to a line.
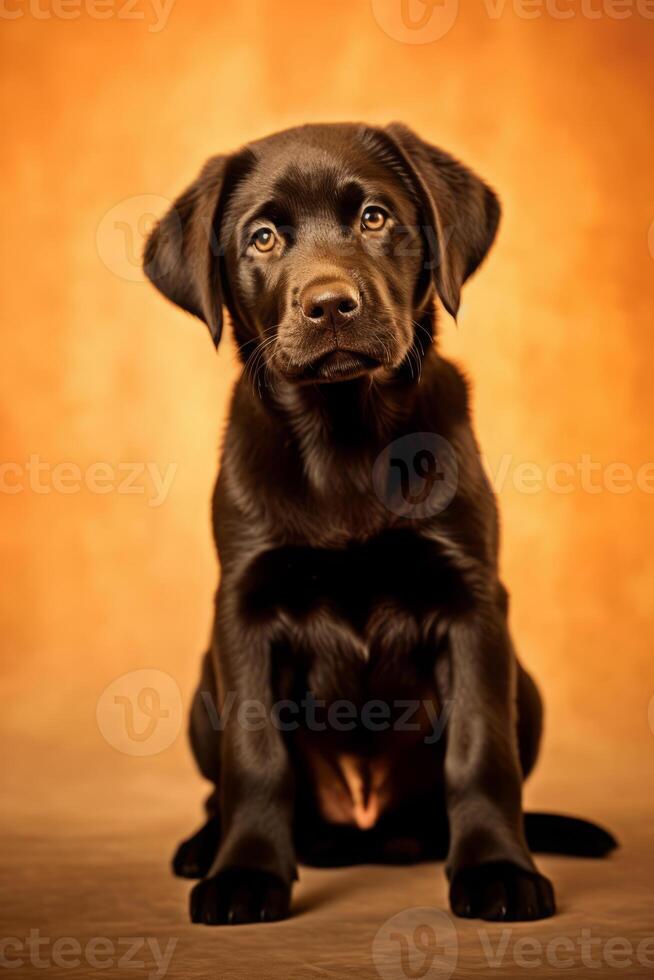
368	610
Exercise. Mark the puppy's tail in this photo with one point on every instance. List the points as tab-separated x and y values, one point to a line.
551	833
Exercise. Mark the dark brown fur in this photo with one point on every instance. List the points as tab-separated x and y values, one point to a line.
330	588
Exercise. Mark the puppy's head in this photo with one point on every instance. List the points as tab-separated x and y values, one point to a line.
326	243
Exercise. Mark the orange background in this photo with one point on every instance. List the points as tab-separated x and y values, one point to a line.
556	333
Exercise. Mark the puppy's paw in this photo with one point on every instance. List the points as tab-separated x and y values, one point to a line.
239	895
501	892
195	856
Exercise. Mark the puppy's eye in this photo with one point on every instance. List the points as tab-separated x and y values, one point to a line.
264	239
373	219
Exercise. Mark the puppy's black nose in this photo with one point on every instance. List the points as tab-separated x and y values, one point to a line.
330	303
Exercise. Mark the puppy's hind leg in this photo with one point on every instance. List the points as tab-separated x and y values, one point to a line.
530	720
196	854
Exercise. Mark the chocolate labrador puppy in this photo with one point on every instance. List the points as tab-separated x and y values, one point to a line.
361	699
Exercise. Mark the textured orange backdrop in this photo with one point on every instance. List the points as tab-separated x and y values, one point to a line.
104	119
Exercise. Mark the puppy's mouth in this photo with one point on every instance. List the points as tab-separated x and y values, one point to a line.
340	365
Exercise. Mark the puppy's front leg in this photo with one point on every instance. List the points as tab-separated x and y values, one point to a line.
491	872
251	878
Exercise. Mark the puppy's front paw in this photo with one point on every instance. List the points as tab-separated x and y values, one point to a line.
501	891
240	895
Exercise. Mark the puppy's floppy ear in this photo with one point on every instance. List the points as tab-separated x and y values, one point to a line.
181	256
462	212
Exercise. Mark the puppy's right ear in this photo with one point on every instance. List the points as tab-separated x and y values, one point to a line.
182	252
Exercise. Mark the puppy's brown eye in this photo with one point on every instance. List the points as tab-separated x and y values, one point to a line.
264	239
373	219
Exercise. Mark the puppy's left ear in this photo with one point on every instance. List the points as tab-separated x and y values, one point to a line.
462	212
181	256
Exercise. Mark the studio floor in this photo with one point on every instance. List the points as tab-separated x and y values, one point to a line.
87	892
